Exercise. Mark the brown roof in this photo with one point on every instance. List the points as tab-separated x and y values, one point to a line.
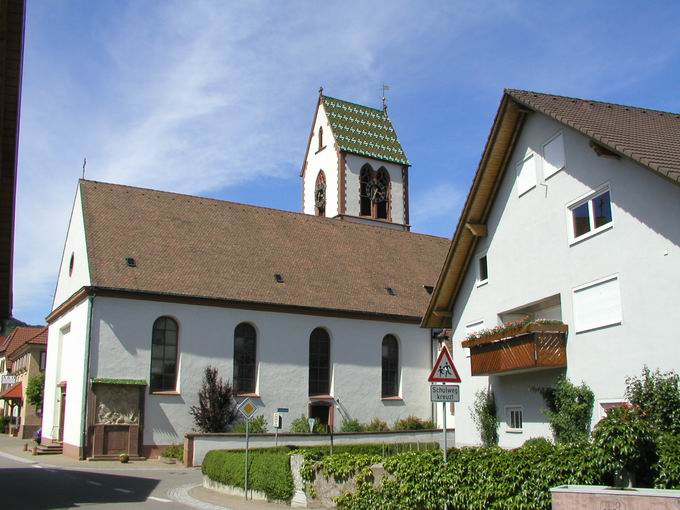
23	335
4	342
199	247
650	137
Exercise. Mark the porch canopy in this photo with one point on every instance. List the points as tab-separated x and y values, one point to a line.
15	392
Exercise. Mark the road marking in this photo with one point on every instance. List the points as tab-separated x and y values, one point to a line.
181	495
124	491
17	459
37	466
162	500
92	482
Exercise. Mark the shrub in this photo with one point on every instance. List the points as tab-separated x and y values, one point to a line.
657	395
34	390
624	443
175	451
484	416
301	426
668	467
216	410
4	423
537	441
268	470
352	426
413	423
377	425
477	478
258	425
570	410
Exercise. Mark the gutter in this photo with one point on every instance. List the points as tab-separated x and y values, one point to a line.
86	373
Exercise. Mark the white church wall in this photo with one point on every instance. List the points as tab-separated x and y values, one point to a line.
121	348
75	247
353	164
642	247
66	352
326	160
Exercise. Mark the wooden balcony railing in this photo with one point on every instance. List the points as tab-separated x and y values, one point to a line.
532	346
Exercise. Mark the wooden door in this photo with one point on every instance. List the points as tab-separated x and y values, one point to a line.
62	412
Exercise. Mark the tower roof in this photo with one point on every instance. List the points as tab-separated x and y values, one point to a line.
362	130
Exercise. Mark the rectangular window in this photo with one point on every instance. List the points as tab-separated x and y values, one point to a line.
43	360
526	175
597	304
607	405
483	273
553	156
590	215
513	417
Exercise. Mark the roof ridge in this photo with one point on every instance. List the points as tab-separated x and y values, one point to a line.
355	104
307	217
585	100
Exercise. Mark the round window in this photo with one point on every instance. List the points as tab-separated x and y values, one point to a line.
70	264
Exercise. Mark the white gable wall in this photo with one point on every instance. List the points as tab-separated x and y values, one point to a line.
530	258
74	246
353	165
121	349
326	160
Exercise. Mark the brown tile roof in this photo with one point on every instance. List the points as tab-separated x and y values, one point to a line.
650	137
23	335
4	342
199	247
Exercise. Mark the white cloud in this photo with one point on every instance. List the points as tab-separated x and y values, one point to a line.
441	201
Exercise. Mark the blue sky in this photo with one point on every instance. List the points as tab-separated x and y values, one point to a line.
216	98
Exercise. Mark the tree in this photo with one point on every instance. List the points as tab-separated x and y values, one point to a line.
216	409
35	389
657	397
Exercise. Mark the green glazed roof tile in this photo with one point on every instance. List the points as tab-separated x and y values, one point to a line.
363	130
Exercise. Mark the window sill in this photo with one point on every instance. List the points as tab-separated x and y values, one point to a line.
247	395
392	399
322	148
176	393
321	397
590	234
514	431
482	283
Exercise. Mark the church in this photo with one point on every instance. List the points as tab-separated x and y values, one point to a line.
317	312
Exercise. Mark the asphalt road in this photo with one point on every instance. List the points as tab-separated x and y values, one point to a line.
43	486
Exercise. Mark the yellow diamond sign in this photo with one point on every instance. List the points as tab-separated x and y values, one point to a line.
247	408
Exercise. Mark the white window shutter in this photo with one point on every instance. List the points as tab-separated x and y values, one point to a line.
553	156
597	305
526	175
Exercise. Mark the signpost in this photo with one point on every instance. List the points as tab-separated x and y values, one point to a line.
247	408
444	371
277	422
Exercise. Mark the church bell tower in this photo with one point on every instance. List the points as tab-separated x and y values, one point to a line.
355	169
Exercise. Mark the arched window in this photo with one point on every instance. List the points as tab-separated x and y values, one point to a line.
245	364
320	194
365	180
319	362
390	367
320	138
164	355
383	202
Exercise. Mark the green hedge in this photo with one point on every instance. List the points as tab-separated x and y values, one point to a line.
268	470
668	466
477	478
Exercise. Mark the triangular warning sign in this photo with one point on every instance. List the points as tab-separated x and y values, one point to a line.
444	370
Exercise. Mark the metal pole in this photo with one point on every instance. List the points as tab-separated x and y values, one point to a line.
446	444
246	468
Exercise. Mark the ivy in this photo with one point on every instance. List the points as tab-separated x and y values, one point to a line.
570	410
484	416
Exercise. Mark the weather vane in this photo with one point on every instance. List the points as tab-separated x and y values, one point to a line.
84	164
385	88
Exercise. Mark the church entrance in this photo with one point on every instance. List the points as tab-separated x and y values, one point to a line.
322	412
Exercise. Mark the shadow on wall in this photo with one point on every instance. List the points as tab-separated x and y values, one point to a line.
62	488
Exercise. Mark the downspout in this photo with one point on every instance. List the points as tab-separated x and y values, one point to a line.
86	372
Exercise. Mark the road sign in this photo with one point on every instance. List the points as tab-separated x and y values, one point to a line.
445	393
444	370
9	379
311	422
276	420
282	410
247	408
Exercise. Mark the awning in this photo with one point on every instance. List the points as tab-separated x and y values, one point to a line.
13	393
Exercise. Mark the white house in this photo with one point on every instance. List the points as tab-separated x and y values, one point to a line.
315	314
573	215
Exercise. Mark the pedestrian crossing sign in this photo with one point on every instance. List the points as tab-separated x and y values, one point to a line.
444	371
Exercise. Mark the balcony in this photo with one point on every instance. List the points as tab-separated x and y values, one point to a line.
527	347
